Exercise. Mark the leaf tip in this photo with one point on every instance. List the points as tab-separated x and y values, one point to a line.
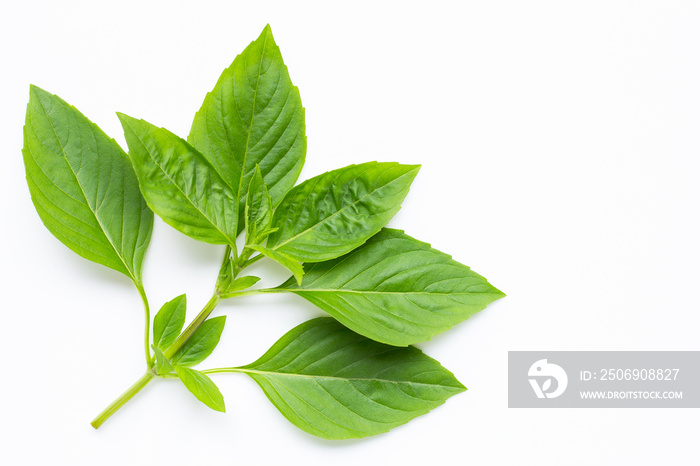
37	93
128	122
265	34
460	386
125	120
413	168
497	293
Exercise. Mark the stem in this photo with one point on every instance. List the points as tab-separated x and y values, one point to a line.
150	373
244	260
227	253
252	261
147	336
122	399
241	262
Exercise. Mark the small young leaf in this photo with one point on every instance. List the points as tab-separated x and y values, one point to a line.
163	366
253	116
83	186
333	213
180	184
226	283
395	289
168	322
201	386
258	210
227	273
283	259
241	283
201	343
336	384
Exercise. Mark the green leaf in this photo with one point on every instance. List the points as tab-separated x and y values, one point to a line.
395	289
333	213
336	384
168	322
201	386
258	210
83	186
242	283
283	259
253	116
163	366
201	343
227	272
180	185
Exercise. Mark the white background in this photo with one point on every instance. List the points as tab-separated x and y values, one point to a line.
560	152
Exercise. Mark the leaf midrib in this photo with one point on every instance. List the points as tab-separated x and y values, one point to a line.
336	290
252	120
345	379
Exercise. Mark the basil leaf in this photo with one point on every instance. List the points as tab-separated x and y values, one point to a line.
242	283
163	366
258	209
83	186
226	281
395	289
201	386
227	273
253	116
201	343
283	259
168	322
336	384
180	185
333	213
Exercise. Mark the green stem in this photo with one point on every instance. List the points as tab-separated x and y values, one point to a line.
252	260
179	342
122	399
241	262
150	373
147	336
244	260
